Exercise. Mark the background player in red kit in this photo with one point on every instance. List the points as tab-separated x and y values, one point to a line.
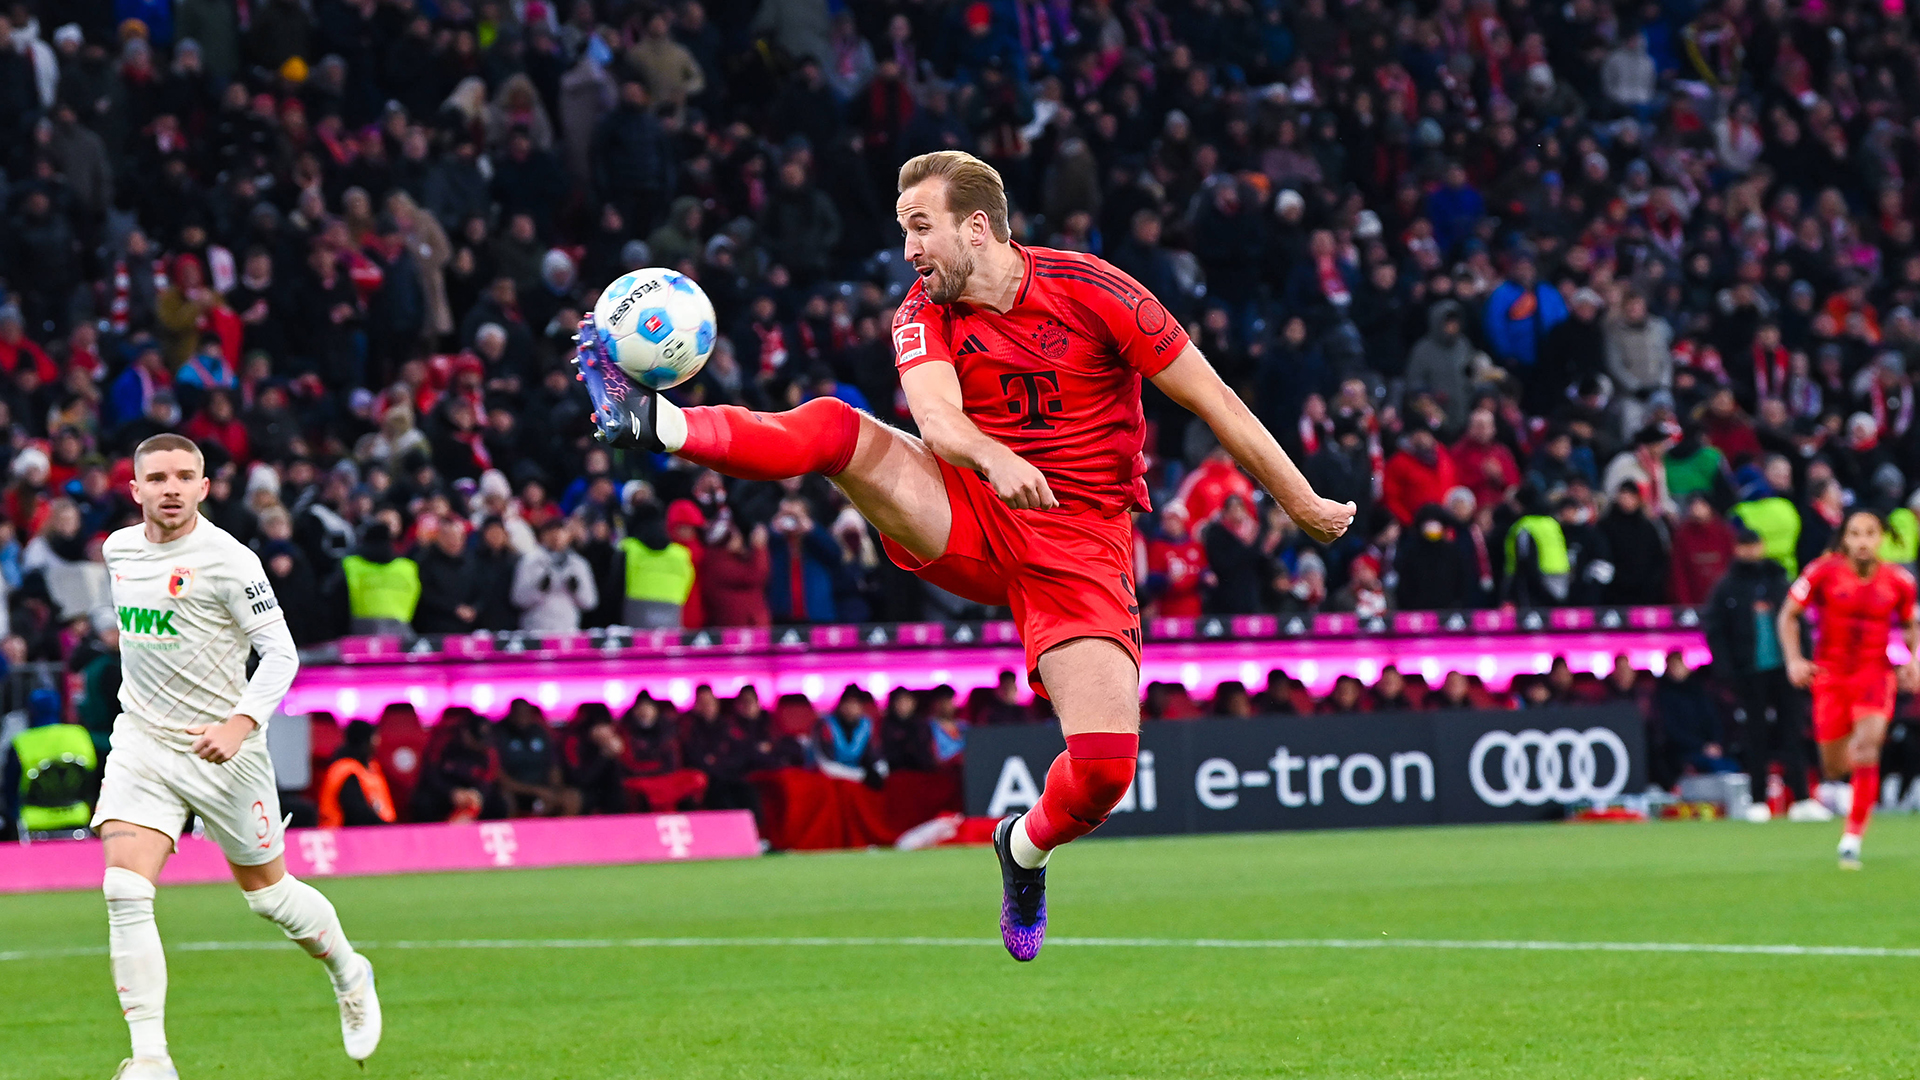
1022	368
1855	598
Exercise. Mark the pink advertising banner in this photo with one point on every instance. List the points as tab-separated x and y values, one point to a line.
409	849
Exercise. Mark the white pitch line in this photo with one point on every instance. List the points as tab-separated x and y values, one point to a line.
1866	951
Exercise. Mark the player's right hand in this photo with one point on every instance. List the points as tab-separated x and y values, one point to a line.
1326	520
1020	484
1799	672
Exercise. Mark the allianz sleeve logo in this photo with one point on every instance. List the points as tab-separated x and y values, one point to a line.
139	620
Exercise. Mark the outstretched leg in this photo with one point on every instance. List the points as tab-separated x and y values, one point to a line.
306	916
891	477
135	855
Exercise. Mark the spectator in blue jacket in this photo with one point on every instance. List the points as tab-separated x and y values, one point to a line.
1454	209
805	556
1520	312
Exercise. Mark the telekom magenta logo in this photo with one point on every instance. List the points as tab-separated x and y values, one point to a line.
319	851
498	841
676	834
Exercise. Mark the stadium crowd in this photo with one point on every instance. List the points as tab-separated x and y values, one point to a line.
1555	292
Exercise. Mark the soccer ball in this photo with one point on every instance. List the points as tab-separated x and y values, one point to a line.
657	325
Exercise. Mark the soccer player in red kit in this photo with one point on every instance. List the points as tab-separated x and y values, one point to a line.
1022	368
1855	599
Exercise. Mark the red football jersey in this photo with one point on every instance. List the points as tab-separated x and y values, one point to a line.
1854	613
1056	378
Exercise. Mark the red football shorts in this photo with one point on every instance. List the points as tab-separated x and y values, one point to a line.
1842	699
1065	575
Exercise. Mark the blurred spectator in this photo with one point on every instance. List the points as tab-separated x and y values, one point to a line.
381	587
1687	723
552	584
1637	549
1766	507
1176	567
1740	623
733	578
1702	551
660	780
448	584
1004	707
1348	696
849	746
801	570
495	564
658	573
1539	568
353	790
461	782
530	776
1238	567
1820	519
1486	467
1418	475
1230	699
728	744
1436	572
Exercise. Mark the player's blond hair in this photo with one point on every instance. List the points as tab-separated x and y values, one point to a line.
167	440
973	186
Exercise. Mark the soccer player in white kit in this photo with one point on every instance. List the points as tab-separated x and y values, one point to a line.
191	736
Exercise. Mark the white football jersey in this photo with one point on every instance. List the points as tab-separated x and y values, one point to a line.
190	611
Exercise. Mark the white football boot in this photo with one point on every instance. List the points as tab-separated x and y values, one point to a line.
360	1015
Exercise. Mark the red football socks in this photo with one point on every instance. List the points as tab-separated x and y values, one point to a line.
1083	786
819	436
1866	792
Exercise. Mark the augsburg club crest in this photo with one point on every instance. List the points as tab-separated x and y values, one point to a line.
179	581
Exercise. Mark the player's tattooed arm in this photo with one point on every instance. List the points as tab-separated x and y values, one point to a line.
933	395
1193	384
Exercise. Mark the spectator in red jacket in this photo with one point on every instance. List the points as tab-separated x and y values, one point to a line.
1176	566
687	524
1483	463
217	423
732	579
1208	487
1702	551
1419	474
17	349
1729	428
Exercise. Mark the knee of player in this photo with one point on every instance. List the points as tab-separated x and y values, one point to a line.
1104	781
123	887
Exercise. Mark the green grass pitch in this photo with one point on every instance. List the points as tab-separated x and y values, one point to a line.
1082	1011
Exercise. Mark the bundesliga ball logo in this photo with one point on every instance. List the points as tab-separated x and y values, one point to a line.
657	325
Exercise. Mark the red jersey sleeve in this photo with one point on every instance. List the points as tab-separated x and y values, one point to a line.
1806	590
919	335
1138	325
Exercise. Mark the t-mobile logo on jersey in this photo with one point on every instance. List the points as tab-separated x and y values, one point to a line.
1033	400
676	835
498	841
318	849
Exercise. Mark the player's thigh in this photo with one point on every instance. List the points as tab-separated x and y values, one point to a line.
239	804
1869	735
135	847
894	481
1094	685
139	814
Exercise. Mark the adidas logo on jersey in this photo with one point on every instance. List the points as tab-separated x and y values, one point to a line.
139	620
972	345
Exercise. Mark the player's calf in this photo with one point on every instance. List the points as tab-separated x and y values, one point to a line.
305	915
139	963
1084	784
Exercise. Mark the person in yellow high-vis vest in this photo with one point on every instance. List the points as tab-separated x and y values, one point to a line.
382	588
659	572
58	770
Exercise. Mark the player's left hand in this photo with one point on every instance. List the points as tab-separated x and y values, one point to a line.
1325	520
218	743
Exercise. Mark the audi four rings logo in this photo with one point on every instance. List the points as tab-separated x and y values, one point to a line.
1534	771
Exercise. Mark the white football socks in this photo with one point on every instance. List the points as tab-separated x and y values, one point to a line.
304	915
669	423
139	963
1025	853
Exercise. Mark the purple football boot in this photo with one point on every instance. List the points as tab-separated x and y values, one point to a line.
623	412
1023	900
